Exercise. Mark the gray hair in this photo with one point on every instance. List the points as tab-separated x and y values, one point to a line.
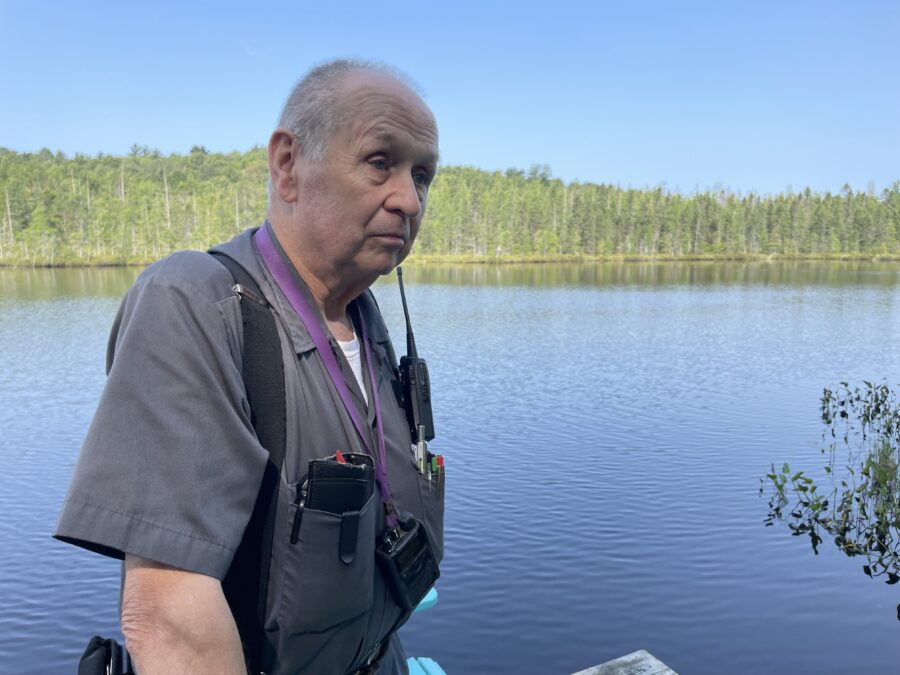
313	109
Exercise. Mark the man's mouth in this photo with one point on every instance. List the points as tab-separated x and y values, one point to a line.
391	238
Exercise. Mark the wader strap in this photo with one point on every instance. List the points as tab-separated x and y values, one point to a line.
263	374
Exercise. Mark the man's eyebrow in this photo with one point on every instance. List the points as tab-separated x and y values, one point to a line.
386	136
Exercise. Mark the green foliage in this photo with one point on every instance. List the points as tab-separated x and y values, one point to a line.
137	208
120	210
862	511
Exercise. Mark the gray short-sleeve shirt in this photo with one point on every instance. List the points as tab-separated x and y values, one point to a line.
171	465
172	435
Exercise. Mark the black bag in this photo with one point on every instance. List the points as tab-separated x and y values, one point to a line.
407	562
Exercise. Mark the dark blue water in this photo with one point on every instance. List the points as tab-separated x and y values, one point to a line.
605	429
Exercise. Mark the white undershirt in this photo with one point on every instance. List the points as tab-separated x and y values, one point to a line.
351	353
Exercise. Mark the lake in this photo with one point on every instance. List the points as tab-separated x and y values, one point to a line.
605	429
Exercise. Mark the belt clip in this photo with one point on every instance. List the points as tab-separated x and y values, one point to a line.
349	531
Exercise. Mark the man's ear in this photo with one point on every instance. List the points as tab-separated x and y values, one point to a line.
283	153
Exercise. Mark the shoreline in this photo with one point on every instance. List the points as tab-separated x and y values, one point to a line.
444	259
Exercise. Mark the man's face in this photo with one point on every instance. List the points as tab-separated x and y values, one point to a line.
359	209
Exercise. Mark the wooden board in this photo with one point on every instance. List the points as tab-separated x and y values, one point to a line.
640	662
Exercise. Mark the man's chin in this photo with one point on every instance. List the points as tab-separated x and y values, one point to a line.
383	264
391	267
383	261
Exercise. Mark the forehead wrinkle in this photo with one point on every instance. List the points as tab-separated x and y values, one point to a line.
402	119
411	110
383	129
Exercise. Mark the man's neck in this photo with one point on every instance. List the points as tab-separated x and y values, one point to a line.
330	293
341	329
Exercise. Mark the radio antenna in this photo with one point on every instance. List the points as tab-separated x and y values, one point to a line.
416	389
410	340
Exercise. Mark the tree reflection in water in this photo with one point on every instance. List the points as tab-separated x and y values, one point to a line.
861	510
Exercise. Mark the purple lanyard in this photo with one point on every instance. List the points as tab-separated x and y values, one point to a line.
310	319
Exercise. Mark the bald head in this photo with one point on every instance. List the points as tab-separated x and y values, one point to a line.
350	169
324	100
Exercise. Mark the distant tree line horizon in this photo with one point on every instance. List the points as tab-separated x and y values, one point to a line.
142	206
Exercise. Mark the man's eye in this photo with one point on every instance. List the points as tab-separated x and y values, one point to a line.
420	177
379	164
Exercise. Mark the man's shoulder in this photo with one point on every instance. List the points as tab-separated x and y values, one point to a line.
189	266
195	275
197	272
186	288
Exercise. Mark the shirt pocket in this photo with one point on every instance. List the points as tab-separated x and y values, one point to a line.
431	490
327	580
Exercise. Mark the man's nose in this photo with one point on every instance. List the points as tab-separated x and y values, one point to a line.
404	198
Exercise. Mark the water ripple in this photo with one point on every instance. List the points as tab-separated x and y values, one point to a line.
604	441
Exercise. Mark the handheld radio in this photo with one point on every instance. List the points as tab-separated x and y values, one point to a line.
416	387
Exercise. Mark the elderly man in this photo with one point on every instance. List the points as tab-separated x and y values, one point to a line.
172	465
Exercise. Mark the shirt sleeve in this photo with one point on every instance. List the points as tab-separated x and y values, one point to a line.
171	466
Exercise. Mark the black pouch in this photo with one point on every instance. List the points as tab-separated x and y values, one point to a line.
105	656
337	487
407	562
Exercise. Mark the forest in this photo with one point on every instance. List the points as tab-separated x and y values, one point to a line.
107	210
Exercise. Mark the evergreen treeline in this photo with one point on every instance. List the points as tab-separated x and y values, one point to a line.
106	209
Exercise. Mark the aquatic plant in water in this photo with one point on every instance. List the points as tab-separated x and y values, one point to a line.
861	510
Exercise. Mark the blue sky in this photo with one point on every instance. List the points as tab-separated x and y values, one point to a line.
749	96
